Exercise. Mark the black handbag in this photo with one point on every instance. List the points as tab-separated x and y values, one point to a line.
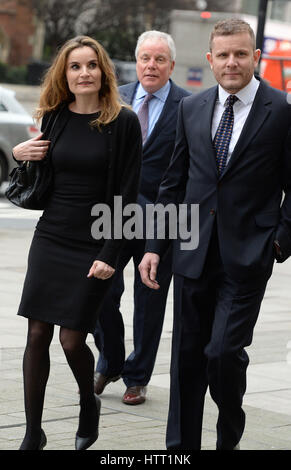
30	183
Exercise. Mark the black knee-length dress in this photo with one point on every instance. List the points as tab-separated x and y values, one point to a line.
56	288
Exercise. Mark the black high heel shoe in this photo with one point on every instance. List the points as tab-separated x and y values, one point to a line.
42	443
83	443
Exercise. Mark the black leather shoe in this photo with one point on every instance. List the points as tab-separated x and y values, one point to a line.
42	443
83	443
100	381
237	447
43	440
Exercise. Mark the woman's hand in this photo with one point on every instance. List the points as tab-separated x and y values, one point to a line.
101	270
32	149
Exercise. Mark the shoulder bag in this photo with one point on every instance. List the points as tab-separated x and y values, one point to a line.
31	181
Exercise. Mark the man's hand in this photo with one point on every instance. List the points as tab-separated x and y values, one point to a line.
148	270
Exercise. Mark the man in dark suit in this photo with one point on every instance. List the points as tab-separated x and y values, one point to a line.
232	157
155	55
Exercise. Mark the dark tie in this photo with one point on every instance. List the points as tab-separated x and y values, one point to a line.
143	116
223	134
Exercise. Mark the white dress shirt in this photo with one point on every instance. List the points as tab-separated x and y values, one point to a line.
241	109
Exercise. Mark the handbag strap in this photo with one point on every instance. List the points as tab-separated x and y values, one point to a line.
52	122
50	127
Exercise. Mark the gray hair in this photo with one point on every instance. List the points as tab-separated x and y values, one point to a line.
157	35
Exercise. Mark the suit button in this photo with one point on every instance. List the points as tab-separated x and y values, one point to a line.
212	211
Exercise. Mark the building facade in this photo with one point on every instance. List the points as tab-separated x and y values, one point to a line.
21	33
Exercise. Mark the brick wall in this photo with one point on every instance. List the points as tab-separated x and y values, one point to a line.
18	24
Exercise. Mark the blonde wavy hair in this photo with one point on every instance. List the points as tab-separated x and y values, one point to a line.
55	90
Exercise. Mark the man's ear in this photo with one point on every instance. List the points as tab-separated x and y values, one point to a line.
257	55
209	58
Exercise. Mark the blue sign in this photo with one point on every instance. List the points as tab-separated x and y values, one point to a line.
194	76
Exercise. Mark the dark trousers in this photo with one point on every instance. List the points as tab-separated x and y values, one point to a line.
214	318
148	318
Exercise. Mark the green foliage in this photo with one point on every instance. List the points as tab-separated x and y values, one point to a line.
3	72
17	74
13	74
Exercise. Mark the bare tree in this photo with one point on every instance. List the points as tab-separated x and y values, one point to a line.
118	24
115	23
61	19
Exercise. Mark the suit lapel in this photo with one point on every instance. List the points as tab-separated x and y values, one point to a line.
259	112
127	92
205	115
164	117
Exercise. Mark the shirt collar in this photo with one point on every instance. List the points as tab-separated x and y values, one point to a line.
161	94
246	95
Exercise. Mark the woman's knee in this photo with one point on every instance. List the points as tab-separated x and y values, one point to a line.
71	340
39	334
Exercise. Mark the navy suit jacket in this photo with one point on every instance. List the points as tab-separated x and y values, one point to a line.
159	146
246	200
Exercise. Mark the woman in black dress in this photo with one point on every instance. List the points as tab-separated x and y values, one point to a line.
95	154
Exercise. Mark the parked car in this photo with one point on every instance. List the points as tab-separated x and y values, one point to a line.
125	71
16	125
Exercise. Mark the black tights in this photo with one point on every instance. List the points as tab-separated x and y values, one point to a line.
36	367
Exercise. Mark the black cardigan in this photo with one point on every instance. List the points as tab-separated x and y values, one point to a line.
124	147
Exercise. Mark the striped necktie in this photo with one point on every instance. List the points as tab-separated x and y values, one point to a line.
143	116
223	134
